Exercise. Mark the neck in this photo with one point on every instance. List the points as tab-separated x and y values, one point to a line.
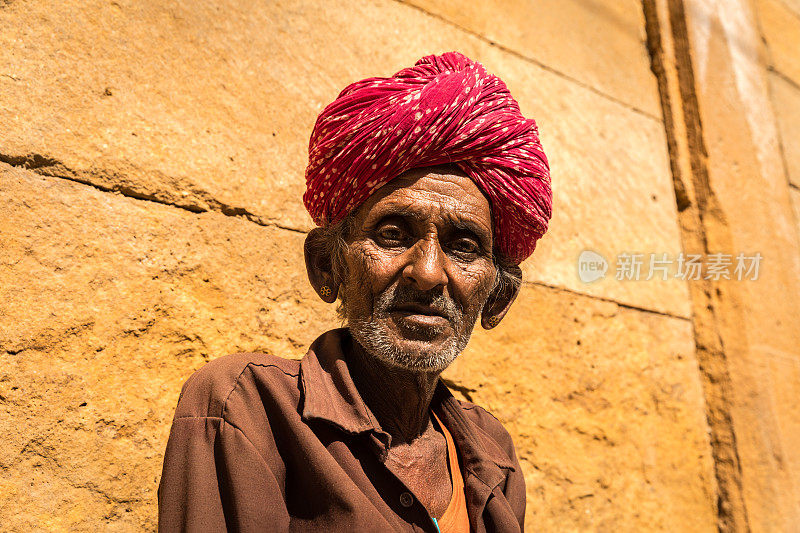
399	398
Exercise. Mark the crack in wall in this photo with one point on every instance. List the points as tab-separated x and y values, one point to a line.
703	226
605	299
532	61
790	8
784	77
198	201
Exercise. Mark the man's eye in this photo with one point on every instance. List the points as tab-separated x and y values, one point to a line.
465	246
391	236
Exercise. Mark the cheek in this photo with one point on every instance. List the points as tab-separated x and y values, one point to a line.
368	275
374	268
474	285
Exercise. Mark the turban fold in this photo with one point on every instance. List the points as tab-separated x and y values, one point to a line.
445	109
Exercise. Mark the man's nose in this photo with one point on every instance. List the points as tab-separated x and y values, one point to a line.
426	266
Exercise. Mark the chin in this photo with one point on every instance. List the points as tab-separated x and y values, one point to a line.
416	348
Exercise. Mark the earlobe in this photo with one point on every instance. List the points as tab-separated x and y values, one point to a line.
319	267
500	300
489	322
328	293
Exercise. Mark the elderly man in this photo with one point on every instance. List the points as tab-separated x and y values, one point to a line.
429	188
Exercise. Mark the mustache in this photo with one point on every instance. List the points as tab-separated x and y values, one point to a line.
405	295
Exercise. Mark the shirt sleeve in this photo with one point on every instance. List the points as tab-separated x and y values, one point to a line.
214	479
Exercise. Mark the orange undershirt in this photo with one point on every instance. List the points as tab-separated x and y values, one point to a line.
454	519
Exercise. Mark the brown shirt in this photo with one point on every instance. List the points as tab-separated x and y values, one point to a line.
261	443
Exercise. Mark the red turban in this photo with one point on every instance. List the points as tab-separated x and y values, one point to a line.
445	109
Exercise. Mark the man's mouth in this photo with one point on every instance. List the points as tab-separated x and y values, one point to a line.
420	314
420	309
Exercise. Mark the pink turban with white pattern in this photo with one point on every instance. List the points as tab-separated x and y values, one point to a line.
445	109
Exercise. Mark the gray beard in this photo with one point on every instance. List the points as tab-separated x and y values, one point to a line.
376	339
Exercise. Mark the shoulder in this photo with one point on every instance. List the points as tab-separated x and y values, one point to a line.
208	390
493	432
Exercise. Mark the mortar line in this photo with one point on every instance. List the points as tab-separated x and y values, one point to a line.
783	76
606	299
779	135
124	194
790	9
532	61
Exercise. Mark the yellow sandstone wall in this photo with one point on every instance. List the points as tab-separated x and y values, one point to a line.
718	65
151	172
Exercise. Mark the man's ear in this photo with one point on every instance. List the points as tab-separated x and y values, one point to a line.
319	266
500	299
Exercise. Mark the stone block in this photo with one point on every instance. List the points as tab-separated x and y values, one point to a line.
780	372
606	409
752	209
786	102
565	36
780	28
107	305
793	6
747	209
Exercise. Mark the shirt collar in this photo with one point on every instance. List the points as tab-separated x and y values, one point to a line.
479	452
328	390
329	394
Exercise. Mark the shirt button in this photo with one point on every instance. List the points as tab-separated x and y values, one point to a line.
406	499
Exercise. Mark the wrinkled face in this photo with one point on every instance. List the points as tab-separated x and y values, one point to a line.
419	268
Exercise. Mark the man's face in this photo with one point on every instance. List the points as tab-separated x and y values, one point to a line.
419	268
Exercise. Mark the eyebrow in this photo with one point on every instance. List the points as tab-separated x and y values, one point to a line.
468	225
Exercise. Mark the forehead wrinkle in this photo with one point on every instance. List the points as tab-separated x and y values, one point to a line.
422	195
